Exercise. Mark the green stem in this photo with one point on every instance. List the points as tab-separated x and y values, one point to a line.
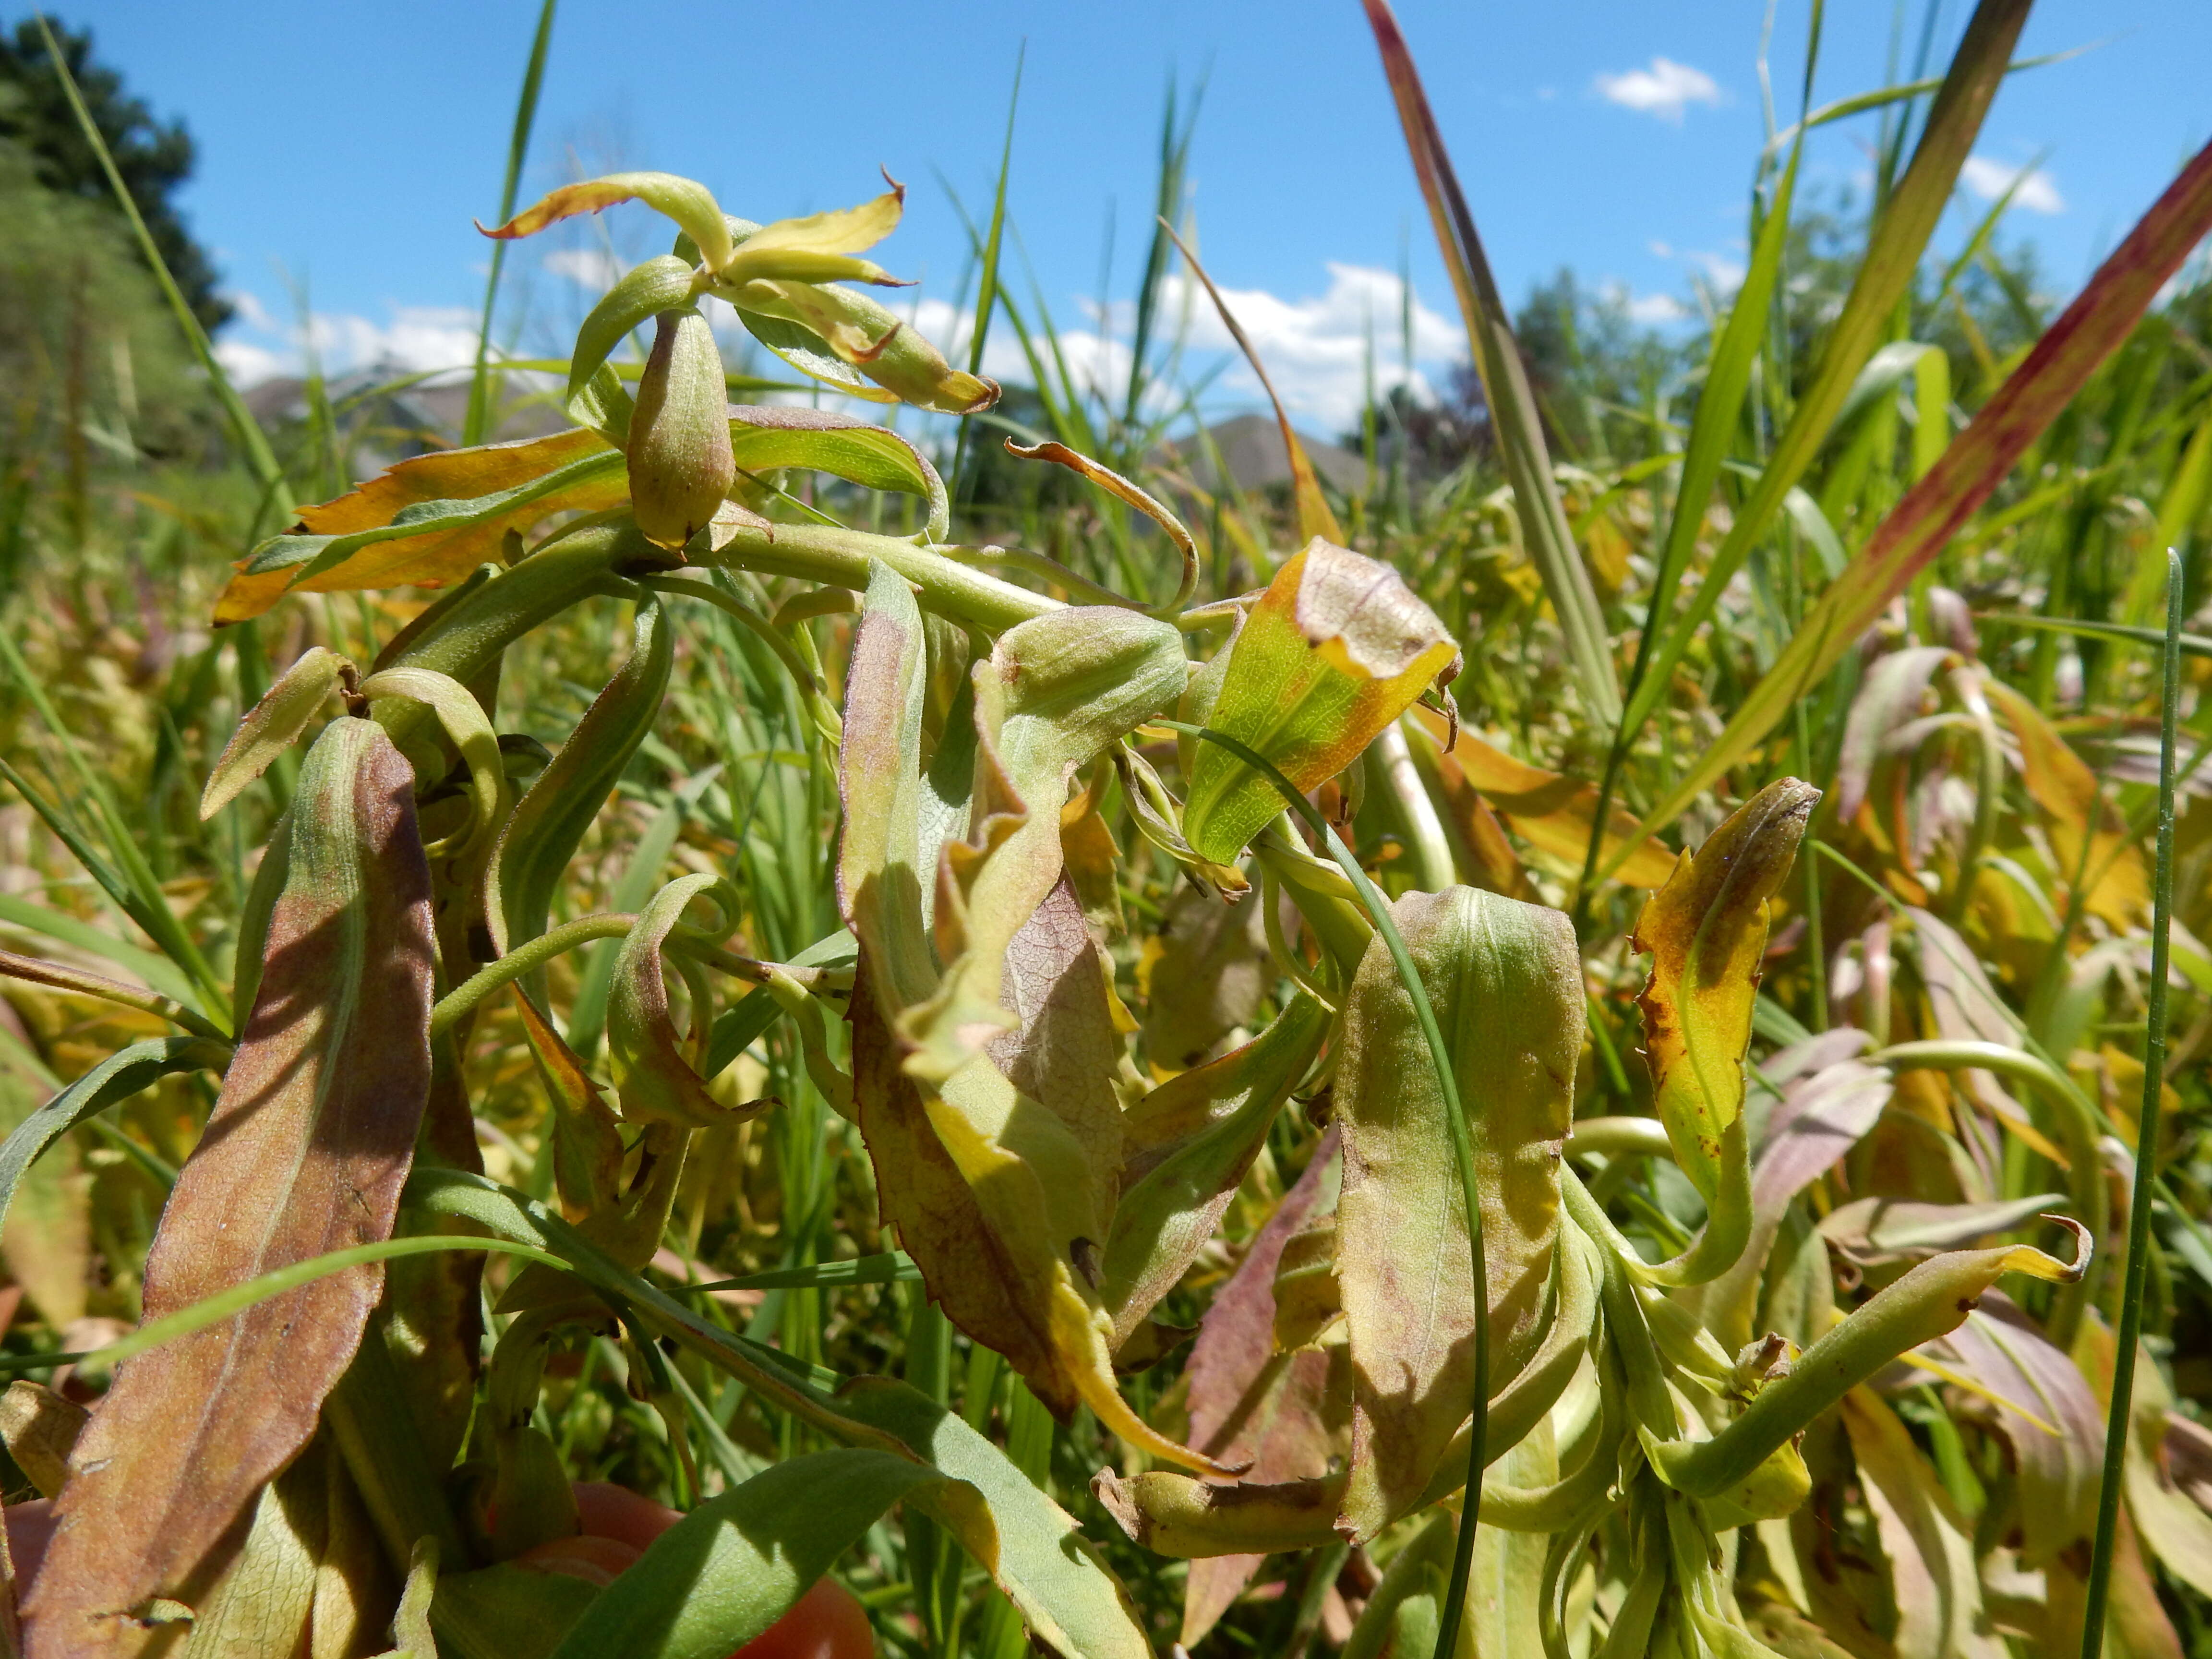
2118	1425
1378	908
523	959
817	553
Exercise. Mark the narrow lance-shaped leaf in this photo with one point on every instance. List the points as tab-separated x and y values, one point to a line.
1506	392
1190	1142
1935	510
1706	932
305	1153
689	203
738	1563
1337	648
1505	981
548	823
1899	236
272	726
439	549
1929	1301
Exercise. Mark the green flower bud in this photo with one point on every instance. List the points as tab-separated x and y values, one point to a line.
680	463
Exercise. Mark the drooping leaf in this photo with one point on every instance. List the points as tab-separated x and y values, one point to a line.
1189	1143
305	1153
1505	980
1283	1437
1337	648
1930	1549
584	471
1549	811
1706	932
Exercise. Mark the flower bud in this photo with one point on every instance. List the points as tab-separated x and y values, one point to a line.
680	462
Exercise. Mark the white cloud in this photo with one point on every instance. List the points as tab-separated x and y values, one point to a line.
592	268
1652	310
1665	89
1989	178
257	345
1316	348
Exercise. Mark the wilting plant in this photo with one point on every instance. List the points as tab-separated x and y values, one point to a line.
1359	1246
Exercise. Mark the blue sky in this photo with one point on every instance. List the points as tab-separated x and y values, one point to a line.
347	145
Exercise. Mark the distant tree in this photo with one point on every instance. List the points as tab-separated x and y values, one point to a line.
154	157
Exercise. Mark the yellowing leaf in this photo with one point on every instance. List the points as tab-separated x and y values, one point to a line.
798	248
1505	980
1551	811
2061	783
691	204
1705	931
305	1153
441	552
1337	648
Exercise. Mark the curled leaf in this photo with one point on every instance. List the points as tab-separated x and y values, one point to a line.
654	1081
1706	932
689	203
1336	649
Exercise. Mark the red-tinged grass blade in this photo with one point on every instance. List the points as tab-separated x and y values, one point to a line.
1937	507
1901	237
1505	388
305	1153
1314	516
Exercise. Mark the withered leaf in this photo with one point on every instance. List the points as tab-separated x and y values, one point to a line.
305	1153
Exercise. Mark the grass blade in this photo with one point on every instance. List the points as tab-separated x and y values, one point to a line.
2119	1426
1935	510
526	117
1894	252
1516	420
